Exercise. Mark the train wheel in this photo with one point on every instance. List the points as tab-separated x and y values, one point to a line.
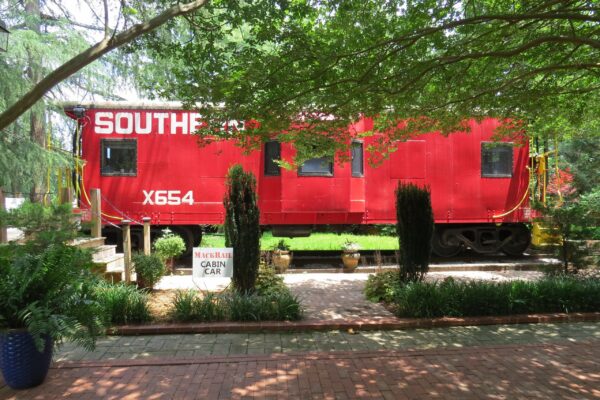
442	247
521	238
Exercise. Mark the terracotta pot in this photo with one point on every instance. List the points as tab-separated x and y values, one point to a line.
281	260
350	260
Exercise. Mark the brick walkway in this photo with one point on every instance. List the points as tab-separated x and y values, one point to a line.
539	361
547	371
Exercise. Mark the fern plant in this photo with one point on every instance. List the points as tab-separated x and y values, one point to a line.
46	287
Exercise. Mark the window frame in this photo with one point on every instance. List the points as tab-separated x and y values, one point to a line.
491	145
103	143
266	171
360	174
328	174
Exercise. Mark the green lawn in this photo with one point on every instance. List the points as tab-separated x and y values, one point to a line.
316	241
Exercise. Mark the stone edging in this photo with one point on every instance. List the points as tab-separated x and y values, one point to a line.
363	324
311	355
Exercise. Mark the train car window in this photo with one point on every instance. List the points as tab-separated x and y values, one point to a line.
496	160
357	159
320	166
272	154
119	157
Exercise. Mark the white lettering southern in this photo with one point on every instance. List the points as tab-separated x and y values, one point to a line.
143	123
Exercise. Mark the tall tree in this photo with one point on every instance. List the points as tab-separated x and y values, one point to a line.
34	74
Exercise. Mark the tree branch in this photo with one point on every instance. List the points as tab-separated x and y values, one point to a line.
88	56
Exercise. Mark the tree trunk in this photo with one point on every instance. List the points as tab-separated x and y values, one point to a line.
36	119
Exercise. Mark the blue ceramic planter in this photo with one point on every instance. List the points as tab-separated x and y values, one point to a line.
23	366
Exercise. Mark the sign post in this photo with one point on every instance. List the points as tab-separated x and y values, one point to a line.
212	262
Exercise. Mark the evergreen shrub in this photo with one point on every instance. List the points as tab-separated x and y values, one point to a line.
242	230
415	230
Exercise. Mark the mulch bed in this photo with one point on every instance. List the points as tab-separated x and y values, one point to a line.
160	305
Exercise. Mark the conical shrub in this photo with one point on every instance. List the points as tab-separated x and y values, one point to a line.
415	230
242	230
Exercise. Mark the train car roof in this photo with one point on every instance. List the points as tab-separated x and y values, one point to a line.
124	105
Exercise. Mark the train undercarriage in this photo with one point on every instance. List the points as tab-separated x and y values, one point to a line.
511	239
449	240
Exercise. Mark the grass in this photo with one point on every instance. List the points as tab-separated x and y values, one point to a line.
316	241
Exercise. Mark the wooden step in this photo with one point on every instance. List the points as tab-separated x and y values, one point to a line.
88	242
114	262
104	251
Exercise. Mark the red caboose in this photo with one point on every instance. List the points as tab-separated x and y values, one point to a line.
147	163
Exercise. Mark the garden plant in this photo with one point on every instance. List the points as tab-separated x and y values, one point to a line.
270	301
242	230
415	230
46	295
169	246
454	298
122	303
149	269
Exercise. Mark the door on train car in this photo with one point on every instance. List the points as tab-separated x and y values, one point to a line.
269	183
357	177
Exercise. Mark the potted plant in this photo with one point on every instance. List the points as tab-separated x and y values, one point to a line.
169	246
46	297
148	269
281	256
350	255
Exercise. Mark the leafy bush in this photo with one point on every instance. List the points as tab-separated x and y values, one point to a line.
169	245
149	269
382	286
415	230
475	298
242	230
122	303
268	282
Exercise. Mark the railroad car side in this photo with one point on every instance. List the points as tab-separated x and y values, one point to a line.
147	163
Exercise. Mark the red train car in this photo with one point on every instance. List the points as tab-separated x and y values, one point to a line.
147	163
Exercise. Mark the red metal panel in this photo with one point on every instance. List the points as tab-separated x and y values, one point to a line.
408	162
172	161
167	162
315	193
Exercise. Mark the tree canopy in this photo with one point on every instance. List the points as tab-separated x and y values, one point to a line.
429	64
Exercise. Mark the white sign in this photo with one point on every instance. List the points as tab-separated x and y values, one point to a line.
212	262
